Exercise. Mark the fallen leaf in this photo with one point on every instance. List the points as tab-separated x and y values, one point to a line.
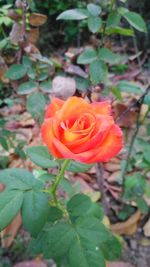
111	167
33	35
63	87
114	177
128	118
73	69
37	19
128	227
9	233
118	264
3	69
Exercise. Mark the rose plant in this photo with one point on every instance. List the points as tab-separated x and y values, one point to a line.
70	231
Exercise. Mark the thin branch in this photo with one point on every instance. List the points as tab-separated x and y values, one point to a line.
137	103
101	185
24	15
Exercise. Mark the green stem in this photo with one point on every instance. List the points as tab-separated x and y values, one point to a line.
57	180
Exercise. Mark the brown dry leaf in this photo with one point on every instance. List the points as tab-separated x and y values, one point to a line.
16	33
112	167
128	227
146	229
31	50
114	177
3	69
63	87
33	35
118	264
128	119
73	53
10	232
73	69
33	263
37	19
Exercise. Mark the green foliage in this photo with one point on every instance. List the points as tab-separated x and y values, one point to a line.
16	72
10	204
98	72
36	103
41	156
78	167
84	236
135	187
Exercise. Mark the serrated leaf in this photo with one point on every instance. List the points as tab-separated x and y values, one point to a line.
46	86
35	210
88	255
10	204
93	9
73	14
41	156
142	205
94	24
75	166
91	229
35	105
135	20
108	56
147	156
59	239
16	72
3	142
111	248
55	214
113	19
82	84
78	205
134	186
27	88
98	72
130	87
88	56
20	179
147	99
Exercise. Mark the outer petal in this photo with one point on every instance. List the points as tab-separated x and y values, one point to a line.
101	108
54	106
48	137
108	149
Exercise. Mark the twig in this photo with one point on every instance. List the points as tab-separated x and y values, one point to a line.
137	103
101	185
24	33
138	124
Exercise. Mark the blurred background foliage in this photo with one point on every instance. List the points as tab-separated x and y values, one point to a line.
55	33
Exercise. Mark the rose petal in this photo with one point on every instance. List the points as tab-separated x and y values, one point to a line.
73	108
102	108
111	145
95	138
48	137
109	148
53	107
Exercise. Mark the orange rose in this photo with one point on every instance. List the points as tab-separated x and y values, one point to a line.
75	129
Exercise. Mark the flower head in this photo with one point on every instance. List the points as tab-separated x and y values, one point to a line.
75	129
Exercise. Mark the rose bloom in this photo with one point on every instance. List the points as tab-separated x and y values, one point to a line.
75	129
